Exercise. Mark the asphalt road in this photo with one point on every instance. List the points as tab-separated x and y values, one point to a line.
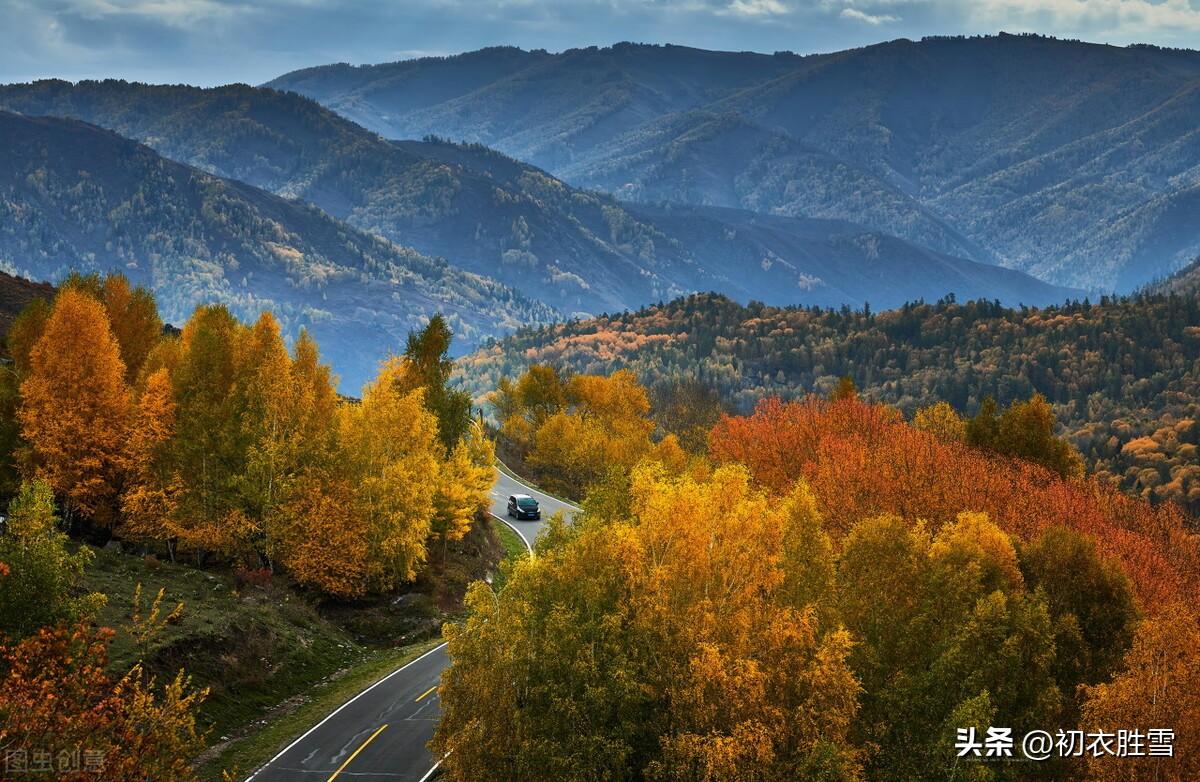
381	733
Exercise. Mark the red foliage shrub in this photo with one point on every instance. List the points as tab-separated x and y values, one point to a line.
863	460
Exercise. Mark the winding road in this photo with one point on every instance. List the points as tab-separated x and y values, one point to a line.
381	733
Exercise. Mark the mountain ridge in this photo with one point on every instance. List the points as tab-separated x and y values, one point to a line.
1027	146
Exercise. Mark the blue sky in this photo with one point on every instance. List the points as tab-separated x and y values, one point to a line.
218	41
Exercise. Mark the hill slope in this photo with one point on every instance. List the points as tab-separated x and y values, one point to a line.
1123	375
583	253
1037	151
73	196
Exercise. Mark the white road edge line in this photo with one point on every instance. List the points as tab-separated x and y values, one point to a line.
334	713
510	525
541	494
429	773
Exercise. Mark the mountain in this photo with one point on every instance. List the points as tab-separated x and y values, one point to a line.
581	252
1122	374
15	295
1070	160
76	197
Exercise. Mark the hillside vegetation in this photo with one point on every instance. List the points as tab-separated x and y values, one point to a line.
74	197
1073	161
1123	375
578	251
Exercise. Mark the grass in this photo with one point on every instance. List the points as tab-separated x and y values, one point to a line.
504	468
251	648
267	737
513	549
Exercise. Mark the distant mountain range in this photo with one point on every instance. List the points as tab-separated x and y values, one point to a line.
1078	163
76	197
487	213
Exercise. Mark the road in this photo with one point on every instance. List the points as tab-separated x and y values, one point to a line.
380	734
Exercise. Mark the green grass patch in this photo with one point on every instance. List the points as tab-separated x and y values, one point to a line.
265	739
513	547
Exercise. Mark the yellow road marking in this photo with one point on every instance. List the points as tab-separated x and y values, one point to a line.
361	747
422	695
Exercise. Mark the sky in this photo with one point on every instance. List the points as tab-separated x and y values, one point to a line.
208	42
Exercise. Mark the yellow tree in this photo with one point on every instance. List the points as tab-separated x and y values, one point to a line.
657	643
1157	689
151	495
75	407
134	319
464	485
389	445
940	420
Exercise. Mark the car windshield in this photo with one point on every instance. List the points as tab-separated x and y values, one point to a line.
527	502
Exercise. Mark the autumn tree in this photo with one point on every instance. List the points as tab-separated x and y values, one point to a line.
1024	430
208	450
688	409
947	630
136	729
463	487
1090	598
388	445
1156	688
151	499
942	421
133	317
75	407
845	389
655	644
42	585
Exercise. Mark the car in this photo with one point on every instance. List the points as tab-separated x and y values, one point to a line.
522	506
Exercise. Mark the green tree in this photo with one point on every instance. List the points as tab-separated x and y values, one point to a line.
43	579
430	366
1091	600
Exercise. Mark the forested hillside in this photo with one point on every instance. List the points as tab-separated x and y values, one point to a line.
580	252
74	197
1076	162
1123	375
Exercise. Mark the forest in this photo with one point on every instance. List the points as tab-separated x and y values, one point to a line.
1121	374
821	590
218	446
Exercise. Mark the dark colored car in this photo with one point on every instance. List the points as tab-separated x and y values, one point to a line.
522	506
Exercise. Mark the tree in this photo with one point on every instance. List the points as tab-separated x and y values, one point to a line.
43	580
654	644
940	420
464	485
208	451
1156	688
75	407
687	409
845	389
132	729
430	367
134	319
151	498
388	445
1025	430
1091	599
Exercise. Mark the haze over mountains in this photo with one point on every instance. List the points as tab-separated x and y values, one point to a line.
580	252
1017	168
1076	162
76	197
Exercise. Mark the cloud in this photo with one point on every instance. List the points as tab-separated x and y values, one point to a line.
757	8
863	16
1120	19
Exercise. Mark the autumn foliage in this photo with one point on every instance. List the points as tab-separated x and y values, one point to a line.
862	460
223	444
56	697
